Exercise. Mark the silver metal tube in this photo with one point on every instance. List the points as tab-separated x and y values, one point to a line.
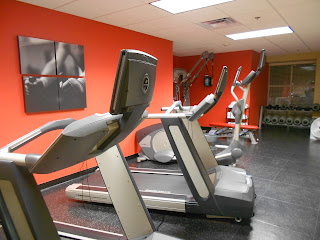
203	55
197	74
17	158
173	106
218	157
21	141
221	146
183	108
235	83
233	93
171	115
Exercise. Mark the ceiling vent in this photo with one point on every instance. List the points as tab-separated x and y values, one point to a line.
220	23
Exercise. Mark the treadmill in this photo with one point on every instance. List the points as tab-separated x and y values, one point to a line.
202	186
23	212
155	145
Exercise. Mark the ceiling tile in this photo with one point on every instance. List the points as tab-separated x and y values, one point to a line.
148	1
182	52
96	8
47	3
241	7
301	14
172	21
232	30
231	48
287	3
203	14
261	19
303	19
262	43
289	42
311	39
133	15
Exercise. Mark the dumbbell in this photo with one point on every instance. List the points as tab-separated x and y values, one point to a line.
316	107
283	107
291	107
305	122
282	120
267	119
297	121
289	120
275	119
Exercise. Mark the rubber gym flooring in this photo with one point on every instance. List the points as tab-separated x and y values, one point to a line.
285	167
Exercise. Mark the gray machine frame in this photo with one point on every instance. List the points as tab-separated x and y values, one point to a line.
21	203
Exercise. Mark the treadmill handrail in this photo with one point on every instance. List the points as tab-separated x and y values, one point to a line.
48	127
182	108
203	106
222	83
195	113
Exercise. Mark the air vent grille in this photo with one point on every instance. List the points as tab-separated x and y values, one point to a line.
220	23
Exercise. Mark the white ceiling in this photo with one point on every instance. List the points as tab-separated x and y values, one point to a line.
189	38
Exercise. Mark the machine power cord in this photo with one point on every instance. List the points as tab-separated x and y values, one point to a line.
82	183
162	221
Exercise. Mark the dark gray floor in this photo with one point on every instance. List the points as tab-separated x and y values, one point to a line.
285	167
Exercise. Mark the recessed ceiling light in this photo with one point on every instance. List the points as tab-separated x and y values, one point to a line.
179	6
261	33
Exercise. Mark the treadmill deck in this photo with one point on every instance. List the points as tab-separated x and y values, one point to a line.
159	191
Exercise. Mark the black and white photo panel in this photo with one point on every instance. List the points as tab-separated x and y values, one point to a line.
72	93
41	94
70	59
37	56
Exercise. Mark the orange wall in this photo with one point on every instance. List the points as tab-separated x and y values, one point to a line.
102	44
248	60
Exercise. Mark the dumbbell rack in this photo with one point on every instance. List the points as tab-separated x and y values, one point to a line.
286	113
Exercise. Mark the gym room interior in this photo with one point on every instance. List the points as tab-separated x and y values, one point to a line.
284	163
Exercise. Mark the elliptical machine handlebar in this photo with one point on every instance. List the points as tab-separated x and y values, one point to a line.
236	83
262	61
253	74
249	78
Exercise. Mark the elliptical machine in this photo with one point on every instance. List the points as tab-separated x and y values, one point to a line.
239	108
